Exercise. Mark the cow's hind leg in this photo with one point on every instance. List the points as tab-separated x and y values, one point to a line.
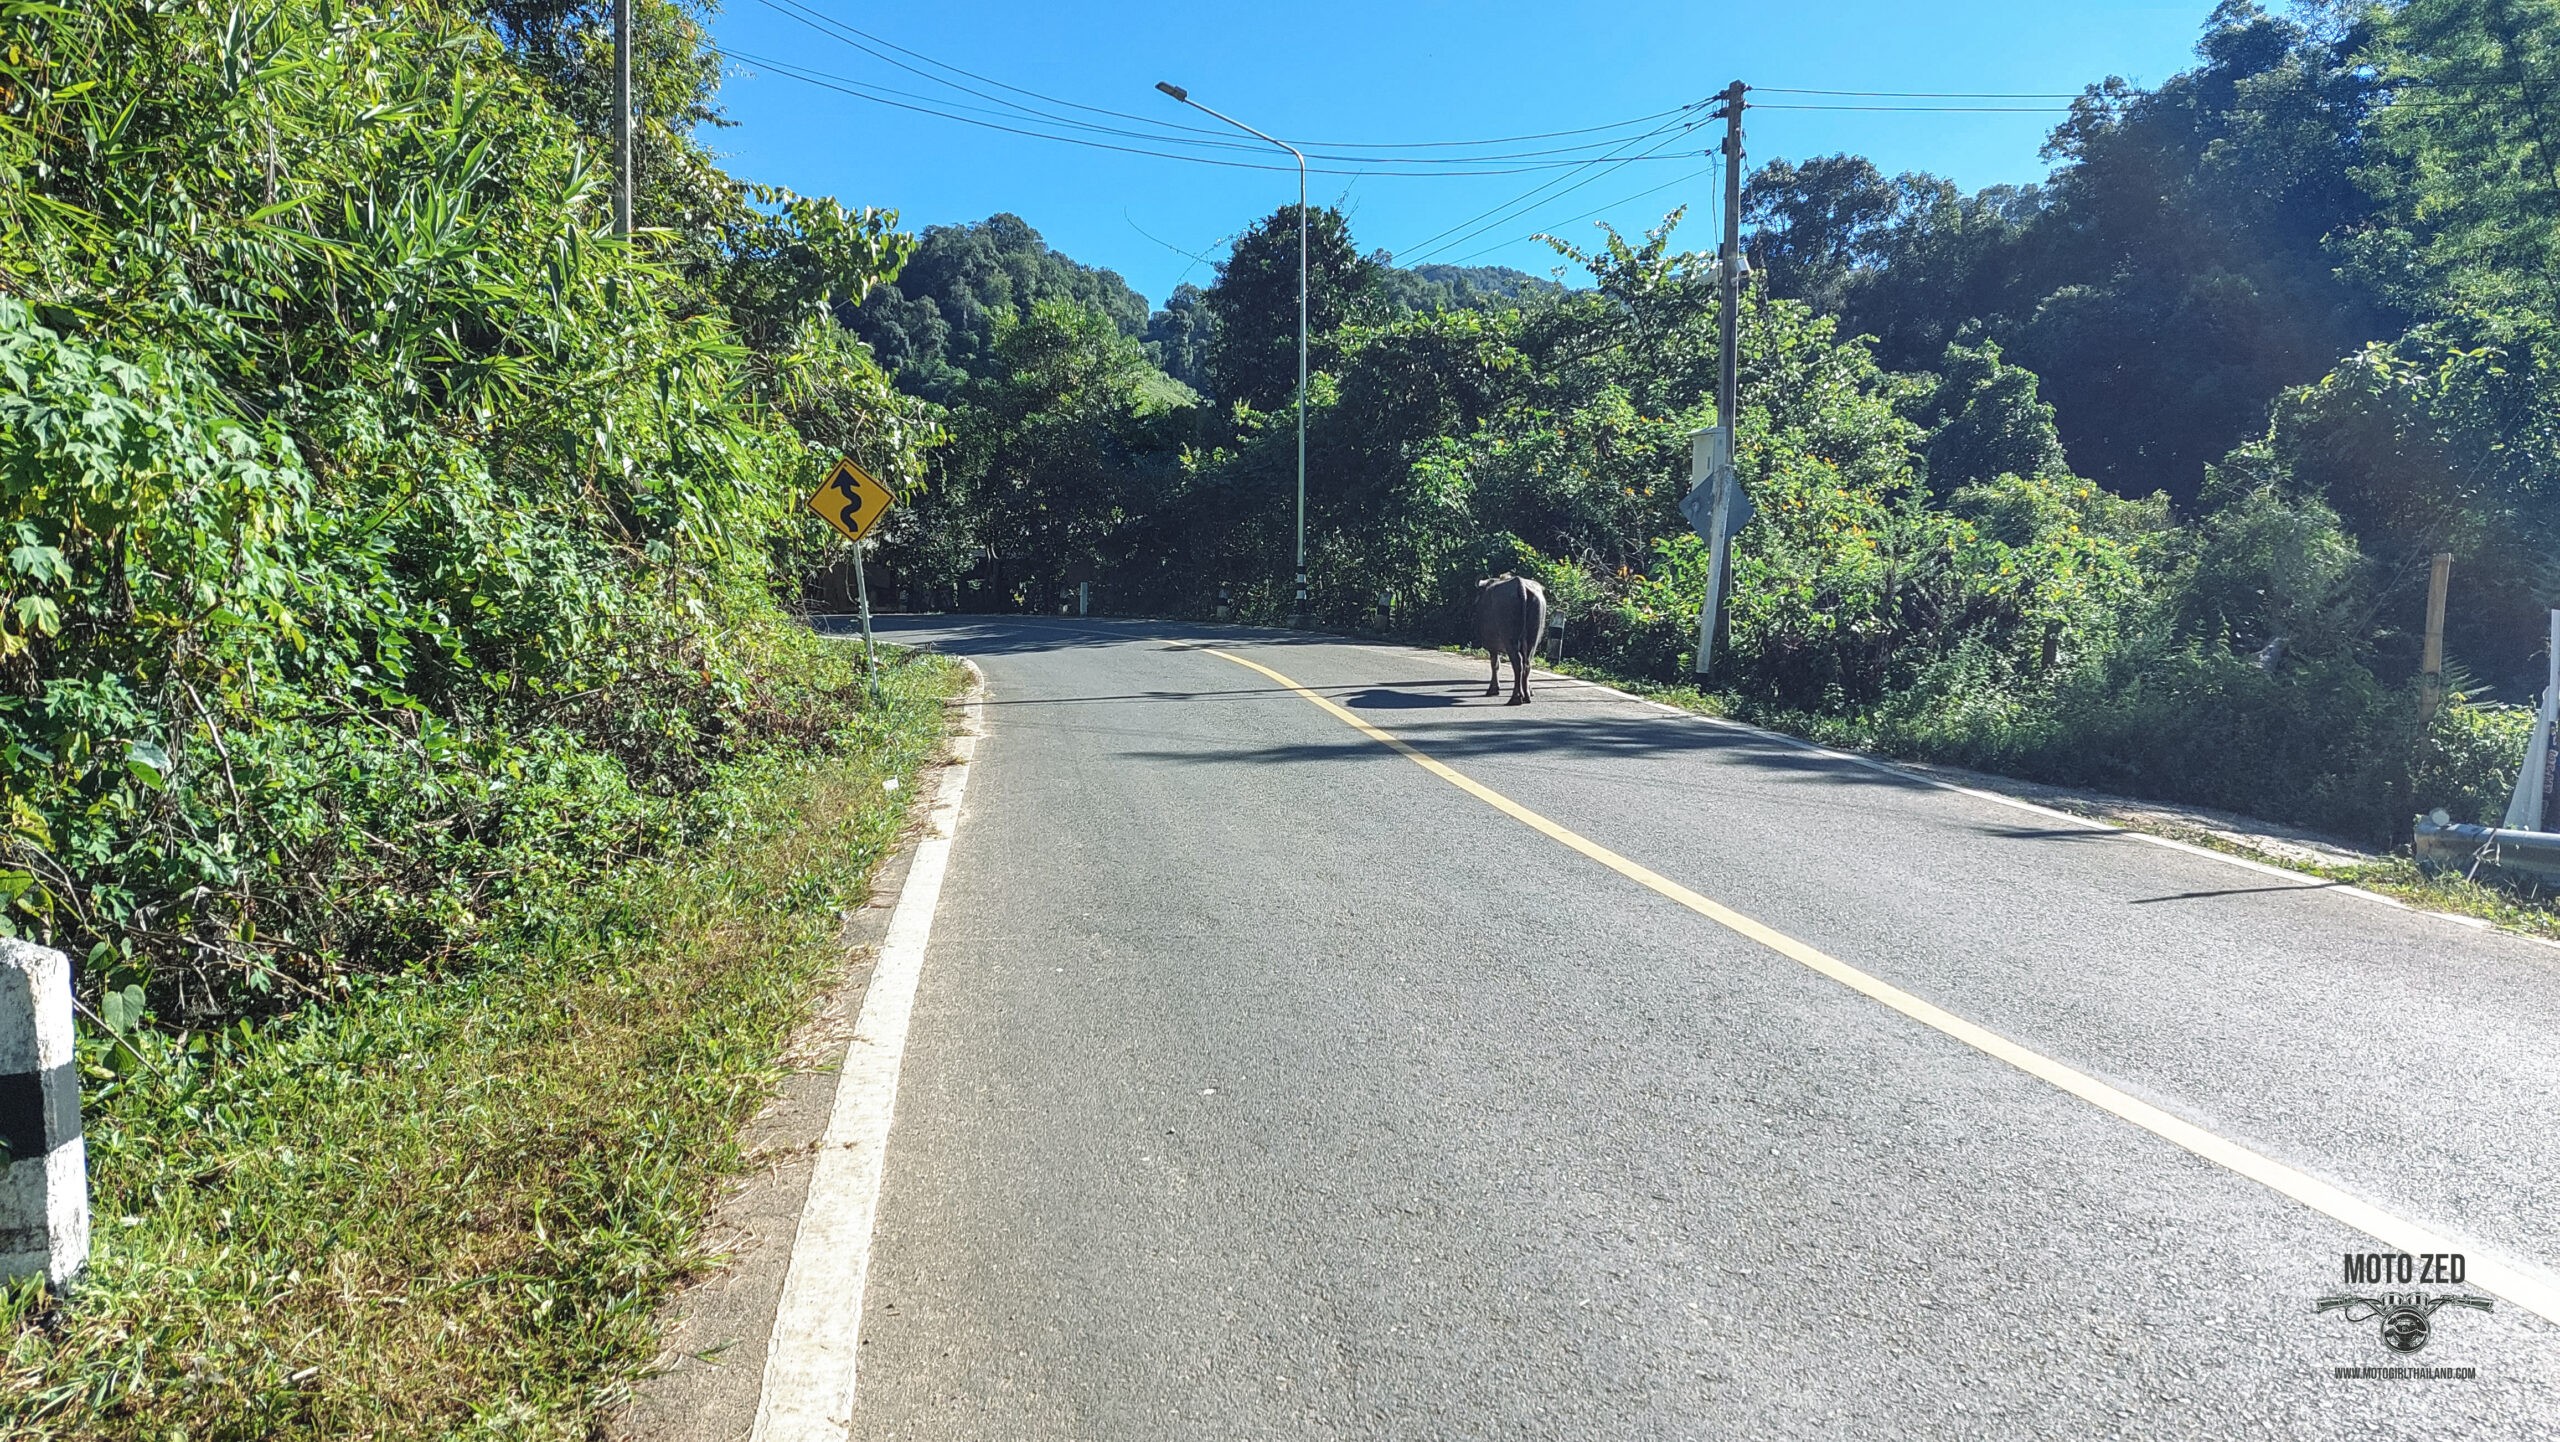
1519	678
1494	686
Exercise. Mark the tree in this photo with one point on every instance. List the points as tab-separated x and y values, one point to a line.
1428	288
2447	439
1949	264
1984	420
567	46
1068	444
1815	225
2172	278
2468	153
936	325
1178	337
1253	307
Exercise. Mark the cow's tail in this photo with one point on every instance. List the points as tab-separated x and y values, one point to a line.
1529	620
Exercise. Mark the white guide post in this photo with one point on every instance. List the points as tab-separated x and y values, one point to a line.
1713	491
2533	783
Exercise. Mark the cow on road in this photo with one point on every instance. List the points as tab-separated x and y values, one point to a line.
1511	619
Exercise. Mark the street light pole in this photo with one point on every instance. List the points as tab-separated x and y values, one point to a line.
1298	608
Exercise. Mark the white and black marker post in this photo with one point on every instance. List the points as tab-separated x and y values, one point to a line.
44	1204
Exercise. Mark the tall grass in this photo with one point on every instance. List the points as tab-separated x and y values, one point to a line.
448	1205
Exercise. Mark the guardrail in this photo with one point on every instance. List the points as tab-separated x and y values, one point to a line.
2474	851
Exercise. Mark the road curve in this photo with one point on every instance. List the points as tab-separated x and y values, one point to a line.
1266	1084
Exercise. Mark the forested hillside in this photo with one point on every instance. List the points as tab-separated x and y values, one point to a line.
934	327
2128	478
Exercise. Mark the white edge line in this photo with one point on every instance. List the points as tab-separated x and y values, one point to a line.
809	1364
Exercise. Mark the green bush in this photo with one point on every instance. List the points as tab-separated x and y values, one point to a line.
386	540
2318	744
449	1206
2469	758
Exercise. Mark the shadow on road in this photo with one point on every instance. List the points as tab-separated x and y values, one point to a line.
2233	891
1506	732
983	635
1378	693
1512	734
1021	635
1391	697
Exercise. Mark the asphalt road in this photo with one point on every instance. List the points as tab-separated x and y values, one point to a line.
1264	1084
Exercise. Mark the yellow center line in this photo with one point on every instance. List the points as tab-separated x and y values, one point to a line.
2488	1272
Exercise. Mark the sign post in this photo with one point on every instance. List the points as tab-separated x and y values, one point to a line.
853	502
862	599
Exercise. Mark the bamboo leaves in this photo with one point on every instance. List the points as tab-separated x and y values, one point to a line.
351	475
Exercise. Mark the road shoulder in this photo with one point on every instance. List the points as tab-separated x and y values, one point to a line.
707	1382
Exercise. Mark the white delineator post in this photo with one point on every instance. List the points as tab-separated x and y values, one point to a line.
44	1203
2533	784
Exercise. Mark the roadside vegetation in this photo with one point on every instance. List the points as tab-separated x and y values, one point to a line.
2518	907
2128	480
449	1205
402	723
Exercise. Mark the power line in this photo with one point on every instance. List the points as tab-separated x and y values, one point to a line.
1194	256
1629	124
1506	209
946	108
847	87
939	105
1928	94
1933	109
1597	209
943	106
819	20
1163	133
1515	207
862	90
863	41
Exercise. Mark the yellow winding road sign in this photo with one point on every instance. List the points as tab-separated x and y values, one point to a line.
851	500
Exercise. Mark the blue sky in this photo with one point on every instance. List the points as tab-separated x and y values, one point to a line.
1394	72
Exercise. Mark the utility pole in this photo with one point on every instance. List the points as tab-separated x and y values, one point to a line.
862	599
2431	659
1715	460
622	117
1729	268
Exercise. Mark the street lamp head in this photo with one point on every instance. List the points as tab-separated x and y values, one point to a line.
1176	91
